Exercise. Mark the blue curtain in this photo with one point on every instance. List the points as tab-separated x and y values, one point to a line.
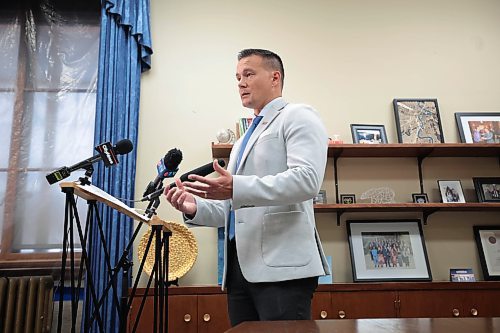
125	52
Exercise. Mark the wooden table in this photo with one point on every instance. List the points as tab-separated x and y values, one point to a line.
399	325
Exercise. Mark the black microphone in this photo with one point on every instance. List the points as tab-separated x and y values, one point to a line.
204	170
107	153
167	167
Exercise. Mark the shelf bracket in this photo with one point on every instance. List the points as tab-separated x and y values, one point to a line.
420	159
339	215
336	178
428	212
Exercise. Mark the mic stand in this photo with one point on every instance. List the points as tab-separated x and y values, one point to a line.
160	273
160	268
72	218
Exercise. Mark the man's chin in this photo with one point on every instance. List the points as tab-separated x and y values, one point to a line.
246	104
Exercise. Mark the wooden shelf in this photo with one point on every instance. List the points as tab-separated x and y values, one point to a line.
433	285
398	150
406	207
415	150
426	208
395	150
221	150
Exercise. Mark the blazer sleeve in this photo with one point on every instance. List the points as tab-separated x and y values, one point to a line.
210	213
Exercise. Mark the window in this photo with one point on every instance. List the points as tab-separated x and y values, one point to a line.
48	79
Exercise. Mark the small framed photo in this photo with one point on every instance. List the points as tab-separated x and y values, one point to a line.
488	244
320	198
369	134
420	198
388	250
418	121
478	127
487	188
462	275
451	191
347	199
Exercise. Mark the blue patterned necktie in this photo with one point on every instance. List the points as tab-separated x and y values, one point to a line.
247	136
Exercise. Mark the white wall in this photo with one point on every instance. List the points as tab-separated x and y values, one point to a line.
348	59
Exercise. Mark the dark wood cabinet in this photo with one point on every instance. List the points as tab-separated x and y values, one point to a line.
212	314
182	313
449	303
204	309
354	304
406	300
364	304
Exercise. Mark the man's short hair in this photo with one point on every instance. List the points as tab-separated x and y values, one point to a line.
271	59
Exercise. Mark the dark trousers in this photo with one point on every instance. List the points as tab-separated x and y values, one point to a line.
284	300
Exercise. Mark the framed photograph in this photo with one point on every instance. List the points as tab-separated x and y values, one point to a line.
478	127
451	191
369	134
418	121
488	245
388	250
487	188
462	275
347	199
320	198
420	197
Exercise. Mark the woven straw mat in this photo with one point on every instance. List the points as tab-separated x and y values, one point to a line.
183	251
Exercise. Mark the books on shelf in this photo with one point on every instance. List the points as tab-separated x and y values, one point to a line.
242	126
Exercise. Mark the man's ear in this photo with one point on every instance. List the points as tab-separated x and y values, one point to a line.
276	78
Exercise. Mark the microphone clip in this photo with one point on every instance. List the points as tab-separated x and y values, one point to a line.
89	170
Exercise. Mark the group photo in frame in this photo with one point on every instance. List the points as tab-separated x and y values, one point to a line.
387	250
418	121
478	127
368	134
451	191
488	245
487	188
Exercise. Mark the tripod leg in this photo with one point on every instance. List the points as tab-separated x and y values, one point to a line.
107	260
161	281
143	301
88	237
63	262
74	301
157	233
166	251
85	258
141	268
121	263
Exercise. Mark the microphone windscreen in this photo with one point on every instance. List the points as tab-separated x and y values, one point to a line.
123	147
172	159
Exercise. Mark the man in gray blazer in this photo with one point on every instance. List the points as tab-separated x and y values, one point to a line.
272	252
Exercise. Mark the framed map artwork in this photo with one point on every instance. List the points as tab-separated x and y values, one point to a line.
418	121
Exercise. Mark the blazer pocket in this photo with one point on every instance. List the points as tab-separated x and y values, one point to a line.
266	137
287	240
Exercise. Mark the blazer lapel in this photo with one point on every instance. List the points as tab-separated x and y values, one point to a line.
264	123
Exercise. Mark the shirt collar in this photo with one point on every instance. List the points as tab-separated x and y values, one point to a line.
275	104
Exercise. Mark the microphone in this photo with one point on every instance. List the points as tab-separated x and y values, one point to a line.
167	167
107	153
204	170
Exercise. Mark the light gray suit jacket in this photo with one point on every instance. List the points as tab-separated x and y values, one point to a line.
281	170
